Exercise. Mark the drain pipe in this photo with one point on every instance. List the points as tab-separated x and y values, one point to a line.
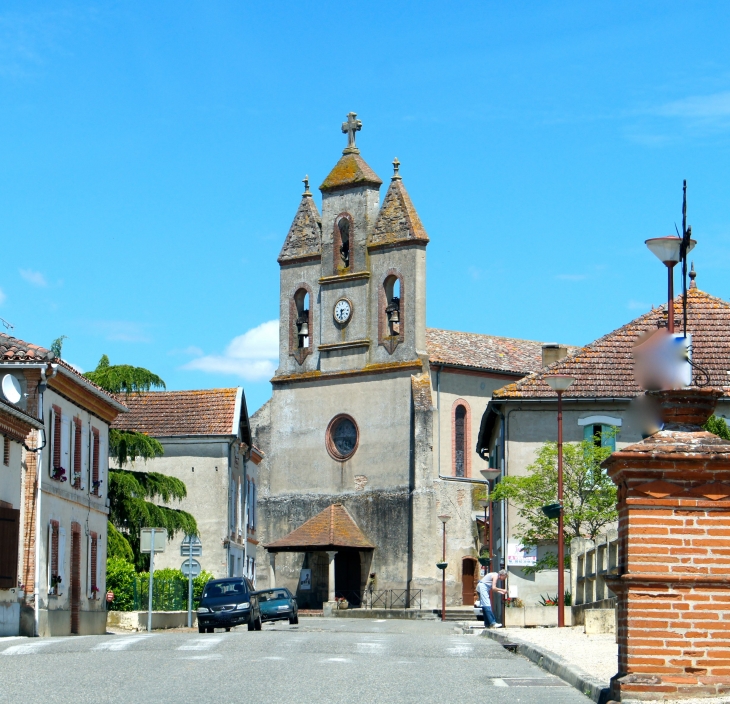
42	385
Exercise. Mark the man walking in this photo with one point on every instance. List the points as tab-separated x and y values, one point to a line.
486	585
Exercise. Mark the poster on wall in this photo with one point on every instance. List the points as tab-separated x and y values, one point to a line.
520	556
305	580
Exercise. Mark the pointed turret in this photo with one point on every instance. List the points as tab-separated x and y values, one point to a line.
351	170
398	221
304	240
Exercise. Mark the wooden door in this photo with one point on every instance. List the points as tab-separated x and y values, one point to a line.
469	578
75	590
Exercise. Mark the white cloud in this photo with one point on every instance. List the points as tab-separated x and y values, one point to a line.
34	277
699	107
2	297
251	356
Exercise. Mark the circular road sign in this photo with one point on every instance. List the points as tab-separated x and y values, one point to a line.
185	568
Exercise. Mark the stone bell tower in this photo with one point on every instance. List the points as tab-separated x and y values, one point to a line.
353	281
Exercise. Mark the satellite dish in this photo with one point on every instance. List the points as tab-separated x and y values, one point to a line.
11	388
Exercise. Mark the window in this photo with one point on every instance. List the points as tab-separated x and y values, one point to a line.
601	430
342	242
391	311
300	322
76	454
56	552
95	479
93	566
460	441
6	451
301	300
239	507
342	437
56	468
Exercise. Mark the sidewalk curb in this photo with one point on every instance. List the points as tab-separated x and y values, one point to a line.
586	684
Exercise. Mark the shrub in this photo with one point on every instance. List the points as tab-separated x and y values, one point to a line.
120	579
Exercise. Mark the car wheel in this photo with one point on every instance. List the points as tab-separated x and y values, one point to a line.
250	625
294	620
210	629
201	629
228	630
257	623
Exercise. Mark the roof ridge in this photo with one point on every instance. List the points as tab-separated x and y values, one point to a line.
495	337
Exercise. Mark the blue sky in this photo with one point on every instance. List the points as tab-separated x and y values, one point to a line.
151	157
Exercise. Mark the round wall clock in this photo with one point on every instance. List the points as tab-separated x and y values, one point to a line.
343	311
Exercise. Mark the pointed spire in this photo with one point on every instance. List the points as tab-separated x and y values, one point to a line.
693	276
304	240
397	220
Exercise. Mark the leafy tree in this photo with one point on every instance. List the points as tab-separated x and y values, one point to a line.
589	495
718	426
132	493
57	345
117	545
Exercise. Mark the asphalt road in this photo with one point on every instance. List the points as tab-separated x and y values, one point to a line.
321	660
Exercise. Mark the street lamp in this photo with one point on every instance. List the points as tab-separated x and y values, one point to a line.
442	566
560	383
667	250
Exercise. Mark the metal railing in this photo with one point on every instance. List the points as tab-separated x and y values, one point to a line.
381	598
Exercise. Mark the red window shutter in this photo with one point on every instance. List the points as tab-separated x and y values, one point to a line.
94	553
77	453
56	437
95	463
9	533
54	548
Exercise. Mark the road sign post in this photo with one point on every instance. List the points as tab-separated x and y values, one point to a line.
191	545
147	544
190	582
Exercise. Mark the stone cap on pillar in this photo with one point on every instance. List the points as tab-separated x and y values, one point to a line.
685	407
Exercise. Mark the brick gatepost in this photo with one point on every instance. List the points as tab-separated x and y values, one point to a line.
673	584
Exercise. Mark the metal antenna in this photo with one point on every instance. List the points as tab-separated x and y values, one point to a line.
686	236
6	324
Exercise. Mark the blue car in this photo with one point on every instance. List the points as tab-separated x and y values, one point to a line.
278	605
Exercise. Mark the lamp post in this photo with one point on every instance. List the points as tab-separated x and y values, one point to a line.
560	383
444	519
667	250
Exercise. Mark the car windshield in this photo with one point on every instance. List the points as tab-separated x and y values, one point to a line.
274	595
230	590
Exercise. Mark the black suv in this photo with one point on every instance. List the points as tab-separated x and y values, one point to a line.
227	603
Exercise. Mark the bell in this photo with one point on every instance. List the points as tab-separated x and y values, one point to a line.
304	330
394	316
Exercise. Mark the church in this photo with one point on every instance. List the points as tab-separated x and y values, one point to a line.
368	438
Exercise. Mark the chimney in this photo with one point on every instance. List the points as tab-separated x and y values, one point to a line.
552	352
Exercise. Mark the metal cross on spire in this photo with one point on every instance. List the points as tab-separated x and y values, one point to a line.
349	128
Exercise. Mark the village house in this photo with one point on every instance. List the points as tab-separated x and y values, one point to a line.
63	506
207	443
370	432
522	416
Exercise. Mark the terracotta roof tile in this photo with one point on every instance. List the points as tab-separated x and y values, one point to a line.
169	413
397	220
466	349
351	170
304	239
332	528
14	350
605	368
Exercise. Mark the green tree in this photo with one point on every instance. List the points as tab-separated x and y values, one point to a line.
132	494
589	495
57	345
718	426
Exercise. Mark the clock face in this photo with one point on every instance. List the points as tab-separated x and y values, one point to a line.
343	310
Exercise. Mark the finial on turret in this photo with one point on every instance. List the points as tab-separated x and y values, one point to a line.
396	165
693	276
307	192
349	128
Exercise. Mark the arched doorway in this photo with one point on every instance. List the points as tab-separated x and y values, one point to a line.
469	579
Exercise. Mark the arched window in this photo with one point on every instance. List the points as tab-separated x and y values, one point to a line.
300	323
461	438
391	316
342	238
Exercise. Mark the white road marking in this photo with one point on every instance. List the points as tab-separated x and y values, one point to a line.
30	648
121	643
201	644
498	682
212	656
272	657
459	650
369	647
337	660
380	620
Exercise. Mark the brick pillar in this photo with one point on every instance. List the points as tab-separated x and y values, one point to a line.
673	586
